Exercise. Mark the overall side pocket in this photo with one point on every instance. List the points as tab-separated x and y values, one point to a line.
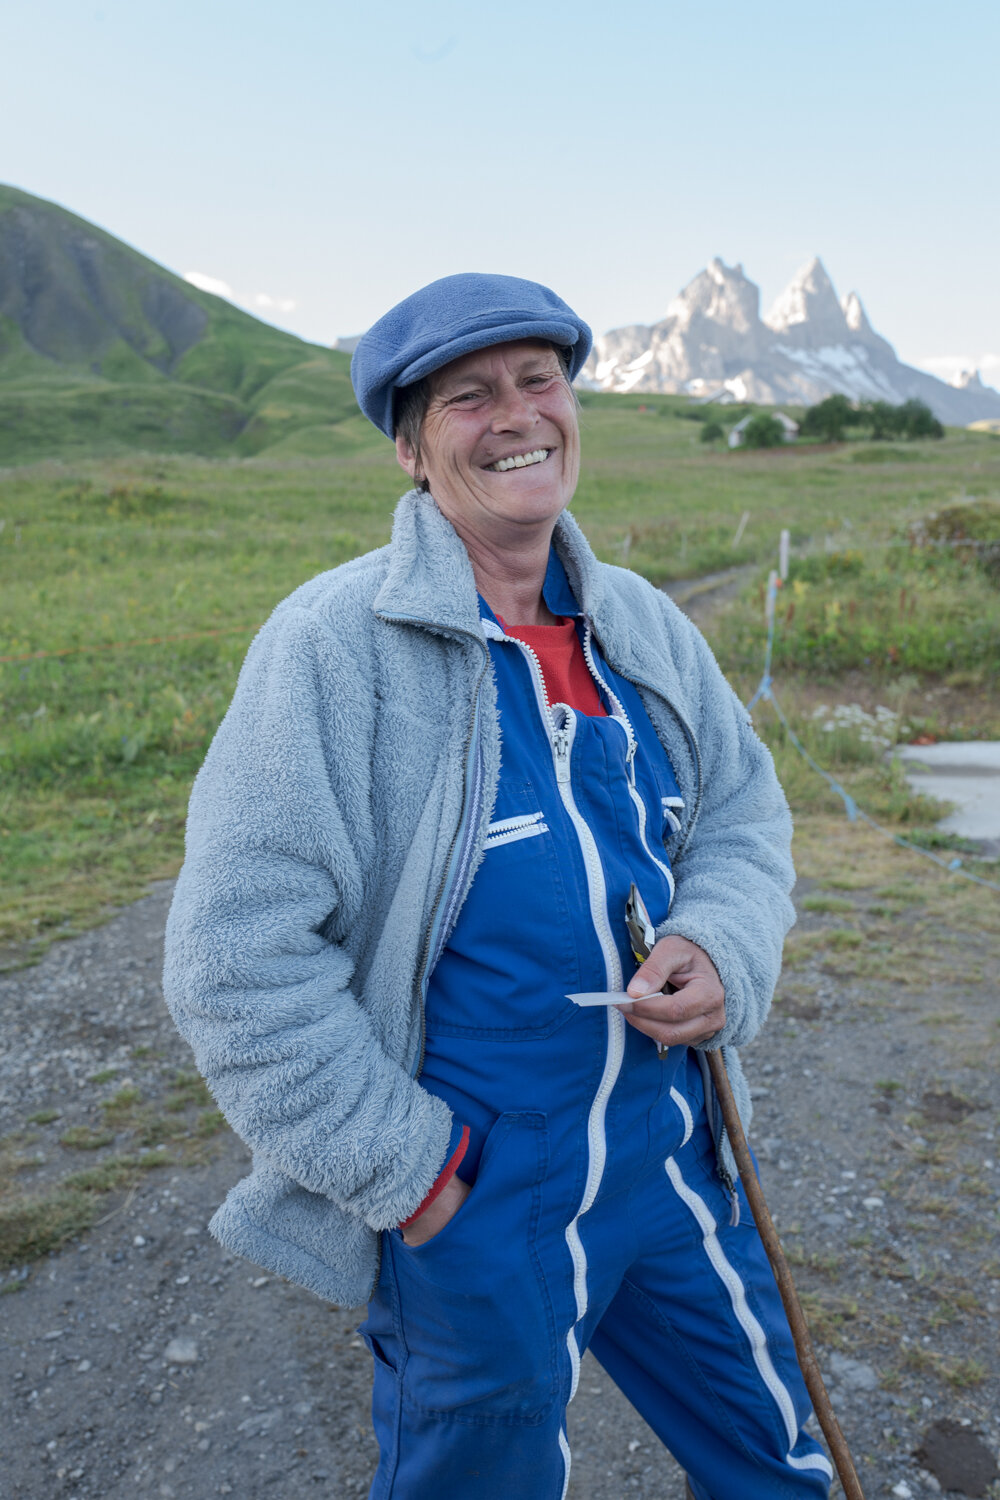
474	1305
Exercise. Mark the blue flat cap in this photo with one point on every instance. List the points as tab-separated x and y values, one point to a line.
449	318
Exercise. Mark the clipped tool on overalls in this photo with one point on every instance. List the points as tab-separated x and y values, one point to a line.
642	937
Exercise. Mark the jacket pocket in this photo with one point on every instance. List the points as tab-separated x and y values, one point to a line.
474	1305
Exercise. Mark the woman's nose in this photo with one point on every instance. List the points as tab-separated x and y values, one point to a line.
512	410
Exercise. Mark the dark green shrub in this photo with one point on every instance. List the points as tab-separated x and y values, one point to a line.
970	530
763	431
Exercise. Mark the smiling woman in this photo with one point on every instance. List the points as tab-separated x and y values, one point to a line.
499	449
450	768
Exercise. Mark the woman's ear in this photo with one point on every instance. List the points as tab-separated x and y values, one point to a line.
409	460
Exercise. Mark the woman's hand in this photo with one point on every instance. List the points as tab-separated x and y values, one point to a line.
696	1008
437	1214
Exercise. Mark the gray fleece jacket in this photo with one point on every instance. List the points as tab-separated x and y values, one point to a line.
333	833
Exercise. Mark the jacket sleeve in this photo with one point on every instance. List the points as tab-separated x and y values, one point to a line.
253	978
734	875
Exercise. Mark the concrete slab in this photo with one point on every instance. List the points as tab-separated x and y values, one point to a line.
964	772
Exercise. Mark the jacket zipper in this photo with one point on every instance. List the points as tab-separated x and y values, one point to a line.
448	886
455	870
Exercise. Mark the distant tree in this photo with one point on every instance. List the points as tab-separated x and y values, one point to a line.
918	421
829	420
763	431
911	419
883	418
712	432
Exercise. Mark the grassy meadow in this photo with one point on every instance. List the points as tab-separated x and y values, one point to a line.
144	576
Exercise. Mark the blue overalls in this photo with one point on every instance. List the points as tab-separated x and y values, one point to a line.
597	1216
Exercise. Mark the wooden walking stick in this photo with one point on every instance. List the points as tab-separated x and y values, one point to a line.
804	1350
641	936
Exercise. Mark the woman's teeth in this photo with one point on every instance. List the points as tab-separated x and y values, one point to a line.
520	460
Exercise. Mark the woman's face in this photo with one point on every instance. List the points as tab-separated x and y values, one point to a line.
500	444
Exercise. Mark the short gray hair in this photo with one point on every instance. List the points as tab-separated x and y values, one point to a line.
413	400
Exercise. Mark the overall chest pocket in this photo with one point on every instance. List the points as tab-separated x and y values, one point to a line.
506	970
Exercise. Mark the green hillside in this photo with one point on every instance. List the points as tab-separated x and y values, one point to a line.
103	351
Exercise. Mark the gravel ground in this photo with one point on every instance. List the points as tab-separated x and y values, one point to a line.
141	1360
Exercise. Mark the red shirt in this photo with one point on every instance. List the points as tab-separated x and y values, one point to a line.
564	666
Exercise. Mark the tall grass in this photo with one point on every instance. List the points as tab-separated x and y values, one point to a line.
98	746
881	609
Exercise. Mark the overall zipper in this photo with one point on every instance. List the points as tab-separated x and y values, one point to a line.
561	736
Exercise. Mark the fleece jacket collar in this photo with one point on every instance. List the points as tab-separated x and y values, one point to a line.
430	583
430	580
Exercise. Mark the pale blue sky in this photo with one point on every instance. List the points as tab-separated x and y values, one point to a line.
337	156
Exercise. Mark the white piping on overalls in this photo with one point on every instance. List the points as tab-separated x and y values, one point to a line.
567	1459
685	1111
619	716
561	737
752	1330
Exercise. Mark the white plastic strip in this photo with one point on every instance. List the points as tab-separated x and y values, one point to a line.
752	1330
602	997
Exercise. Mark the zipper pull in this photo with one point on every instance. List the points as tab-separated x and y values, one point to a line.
560	746
633	745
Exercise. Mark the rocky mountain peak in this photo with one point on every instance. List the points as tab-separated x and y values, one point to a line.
720	294
855	316
807	312
968	380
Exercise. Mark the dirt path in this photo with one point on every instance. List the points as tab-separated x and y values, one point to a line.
142	1360
701	598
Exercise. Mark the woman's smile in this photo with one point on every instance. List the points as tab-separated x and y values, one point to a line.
520	460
